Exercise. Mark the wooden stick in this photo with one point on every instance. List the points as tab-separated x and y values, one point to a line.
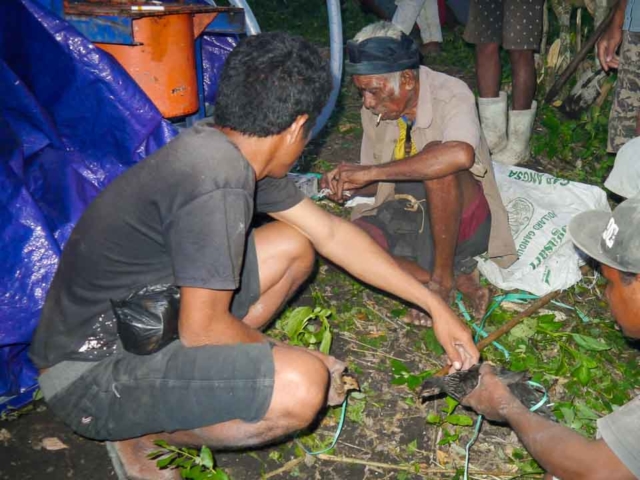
571	68
424	470
493	336
409	468
533	308
290	465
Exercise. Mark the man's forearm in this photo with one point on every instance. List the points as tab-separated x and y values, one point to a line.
618	17
558	449
431	163
220	331
364	259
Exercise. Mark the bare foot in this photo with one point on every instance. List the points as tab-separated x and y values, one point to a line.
445	293
479	296
132	455
417	317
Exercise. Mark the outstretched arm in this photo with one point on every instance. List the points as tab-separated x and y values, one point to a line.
435	161
351	248
561	451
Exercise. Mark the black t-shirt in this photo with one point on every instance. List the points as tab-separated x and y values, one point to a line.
180	216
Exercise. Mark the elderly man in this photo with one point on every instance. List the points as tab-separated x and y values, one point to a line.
614	241
424	157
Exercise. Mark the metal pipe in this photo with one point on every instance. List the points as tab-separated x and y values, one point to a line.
250	21
336	45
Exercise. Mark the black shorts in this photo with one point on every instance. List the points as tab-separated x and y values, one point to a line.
177	388
408	233
515	24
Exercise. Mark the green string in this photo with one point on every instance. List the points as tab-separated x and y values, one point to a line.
544	398
480	328
343	415
471	442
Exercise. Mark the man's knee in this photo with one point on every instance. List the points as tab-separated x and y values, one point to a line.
521	57
304	252
300	388
288	247
484	50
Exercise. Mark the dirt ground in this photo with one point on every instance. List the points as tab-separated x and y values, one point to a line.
385	435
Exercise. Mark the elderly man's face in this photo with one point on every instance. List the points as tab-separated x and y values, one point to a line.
379	96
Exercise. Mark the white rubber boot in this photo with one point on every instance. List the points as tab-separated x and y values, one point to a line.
520	127
493	118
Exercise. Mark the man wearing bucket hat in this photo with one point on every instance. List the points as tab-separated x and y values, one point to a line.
614	241
424	158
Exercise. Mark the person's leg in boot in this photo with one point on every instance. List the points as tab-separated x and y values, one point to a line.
492	103
488	69
523	69
523	108
299	393
522	33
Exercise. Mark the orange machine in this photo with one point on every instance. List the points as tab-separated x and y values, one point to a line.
162	56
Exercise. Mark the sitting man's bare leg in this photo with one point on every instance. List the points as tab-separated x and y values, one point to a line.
445	199
285	260
448	197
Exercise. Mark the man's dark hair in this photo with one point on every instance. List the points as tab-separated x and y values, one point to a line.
269	80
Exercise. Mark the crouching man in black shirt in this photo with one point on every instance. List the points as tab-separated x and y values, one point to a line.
183	216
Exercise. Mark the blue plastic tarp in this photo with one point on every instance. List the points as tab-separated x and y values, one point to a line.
215	49
71	120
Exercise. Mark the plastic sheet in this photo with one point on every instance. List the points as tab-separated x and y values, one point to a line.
148	319
215	49
71	120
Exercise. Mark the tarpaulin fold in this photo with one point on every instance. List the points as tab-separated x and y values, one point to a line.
71	120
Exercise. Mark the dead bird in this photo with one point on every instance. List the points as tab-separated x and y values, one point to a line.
460	384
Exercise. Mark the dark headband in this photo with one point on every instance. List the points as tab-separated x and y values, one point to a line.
378	55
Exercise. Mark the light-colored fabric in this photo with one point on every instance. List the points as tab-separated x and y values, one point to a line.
632	16
621	431
624	178
446	112
493	118
424	13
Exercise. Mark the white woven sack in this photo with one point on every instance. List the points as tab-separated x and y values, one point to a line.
540	207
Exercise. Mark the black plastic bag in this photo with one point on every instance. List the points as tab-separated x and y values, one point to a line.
147	320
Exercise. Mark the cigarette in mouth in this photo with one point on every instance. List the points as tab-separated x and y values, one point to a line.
378	119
